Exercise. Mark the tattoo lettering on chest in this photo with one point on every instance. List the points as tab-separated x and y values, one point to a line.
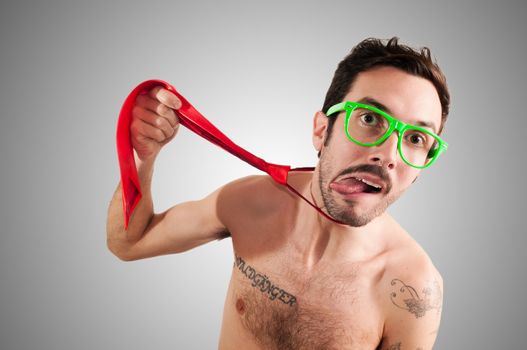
406	297
262	283
397	346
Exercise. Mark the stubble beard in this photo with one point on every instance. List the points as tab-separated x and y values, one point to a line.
347	214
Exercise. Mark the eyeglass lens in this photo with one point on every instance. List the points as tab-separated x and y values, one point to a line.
368	127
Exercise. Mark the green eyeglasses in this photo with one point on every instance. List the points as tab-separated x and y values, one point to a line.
369	126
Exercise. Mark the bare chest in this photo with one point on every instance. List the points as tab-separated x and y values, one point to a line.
284	307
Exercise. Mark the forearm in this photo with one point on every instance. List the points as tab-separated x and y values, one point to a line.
118	239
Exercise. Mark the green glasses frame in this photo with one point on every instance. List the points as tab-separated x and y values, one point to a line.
395	125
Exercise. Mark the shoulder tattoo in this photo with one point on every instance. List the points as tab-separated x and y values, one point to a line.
407	298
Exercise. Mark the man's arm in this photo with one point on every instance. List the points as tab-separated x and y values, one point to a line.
414	304
181	227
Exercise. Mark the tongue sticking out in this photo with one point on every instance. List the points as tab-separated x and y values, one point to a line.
350	185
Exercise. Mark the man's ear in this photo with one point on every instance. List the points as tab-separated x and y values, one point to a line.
320	125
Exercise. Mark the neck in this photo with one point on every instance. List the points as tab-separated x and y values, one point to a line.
320	237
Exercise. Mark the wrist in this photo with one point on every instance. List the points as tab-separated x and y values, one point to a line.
145	170
144	162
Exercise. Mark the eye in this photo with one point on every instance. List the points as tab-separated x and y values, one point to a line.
416	139
369	118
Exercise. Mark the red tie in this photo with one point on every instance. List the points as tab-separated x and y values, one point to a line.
195	121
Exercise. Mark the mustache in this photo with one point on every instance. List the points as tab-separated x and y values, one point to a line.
372	169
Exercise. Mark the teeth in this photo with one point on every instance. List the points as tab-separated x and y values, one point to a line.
369	183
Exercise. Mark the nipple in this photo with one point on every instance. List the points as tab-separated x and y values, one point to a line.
240	306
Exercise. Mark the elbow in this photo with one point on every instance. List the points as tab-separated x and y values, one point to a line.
120	252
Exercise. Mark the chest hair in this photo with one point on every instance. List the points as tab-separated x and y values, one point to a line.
317	312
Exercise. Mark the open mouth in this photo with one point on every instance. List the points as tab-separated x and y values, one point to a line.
358	184
370	186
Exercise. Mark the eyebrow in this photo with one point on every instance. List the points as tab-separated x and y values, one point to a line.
373	102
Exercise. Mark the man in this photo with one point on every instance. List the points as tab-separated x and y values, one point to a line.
301	280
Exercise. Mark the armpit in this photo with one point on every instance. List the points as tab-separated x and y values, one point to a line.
223	234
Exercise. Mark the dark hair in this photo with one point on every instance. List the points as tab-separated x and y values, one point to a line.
373	52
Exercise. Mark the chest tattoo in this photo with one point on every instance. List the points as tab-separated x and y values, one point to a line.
262	283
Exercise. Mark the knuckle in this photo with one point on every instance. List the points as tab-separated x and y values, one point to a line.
139	113
140	100
172	117
134	126
155	91
160	135
162	109
138	138
136	110
166	130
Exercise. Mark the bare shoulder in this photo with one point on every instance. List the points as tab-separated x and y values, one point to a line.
413	283
250	197
411	294
417	290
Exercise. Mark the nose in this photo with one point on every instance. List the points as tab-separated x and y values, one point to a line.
385	154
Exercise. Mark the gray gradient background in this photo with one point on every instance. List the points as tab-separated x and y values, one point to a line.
259	71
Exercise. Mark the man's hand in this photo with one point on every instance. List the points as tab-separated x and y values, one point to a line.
154	122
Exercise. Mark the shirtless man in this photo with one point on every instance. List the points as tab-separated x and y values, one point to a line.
299	279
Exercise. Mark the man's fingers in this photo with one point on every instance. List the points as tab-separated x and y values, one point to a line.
154	121
165	97
164	128
157	107
144	131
